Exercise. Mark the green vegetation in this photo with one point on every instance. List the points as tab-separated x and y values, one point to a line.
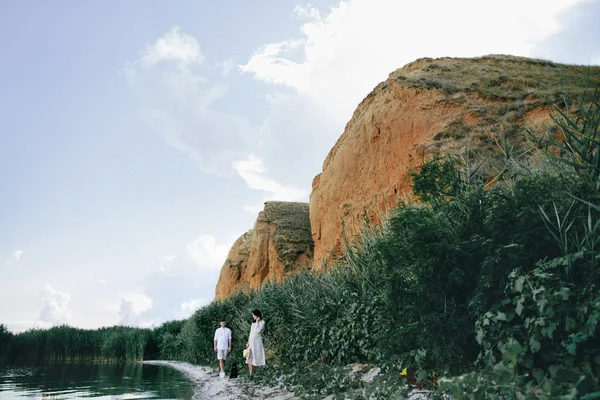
496	282
500	77
65	343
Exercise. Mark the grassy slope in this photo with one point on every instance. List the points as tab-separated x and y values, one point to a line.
499	92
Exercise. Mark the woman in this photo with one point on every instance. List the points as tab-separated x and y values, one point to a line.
255	343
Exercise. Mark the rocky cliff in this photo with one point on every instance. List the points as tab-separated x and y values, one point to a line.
470	107
279	244
477	108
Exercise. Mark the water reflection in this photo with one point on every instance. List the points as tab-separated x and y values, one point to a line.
94	380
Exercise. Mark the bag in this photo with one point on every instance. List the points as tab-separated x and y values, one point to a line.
234	371
246	353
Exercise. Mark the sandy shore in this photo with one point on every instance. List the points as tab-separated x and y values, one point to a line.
209	386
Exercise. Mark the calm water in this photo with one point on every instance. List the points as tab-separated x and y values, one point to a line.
95	381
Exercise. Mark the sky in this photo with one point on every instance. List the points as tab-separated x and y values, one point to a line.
140	138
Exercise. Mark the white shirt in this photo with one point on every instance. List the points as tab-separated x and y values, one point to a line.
223	336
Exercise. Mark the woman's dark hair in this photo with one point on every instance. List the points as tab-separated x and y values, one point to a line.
257	313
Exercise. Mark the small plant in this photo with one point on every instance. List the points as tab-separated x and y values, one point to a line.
579	140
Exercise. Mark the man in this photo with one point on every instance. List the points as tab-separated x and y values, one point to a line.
222	345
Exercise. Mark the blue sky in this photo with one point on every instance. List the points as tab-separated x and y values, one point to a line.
140	138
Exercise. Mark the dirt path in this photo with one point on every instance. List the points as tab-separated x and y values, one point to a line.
209	386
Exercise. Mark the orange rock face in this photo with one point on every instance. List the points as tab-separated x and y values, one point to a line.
279	244
367	169
460	106
234	268
467	107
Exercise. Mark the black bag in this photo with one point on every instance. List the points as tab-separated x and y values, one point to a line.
234	371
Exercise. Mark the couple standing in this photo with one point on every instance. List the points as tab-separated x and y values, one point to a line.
256	350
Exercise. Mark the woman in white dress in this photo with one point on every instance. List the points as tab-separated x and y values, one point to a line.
255	344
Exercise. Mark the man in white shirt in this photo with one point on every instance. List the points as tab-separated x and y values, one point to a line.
222	345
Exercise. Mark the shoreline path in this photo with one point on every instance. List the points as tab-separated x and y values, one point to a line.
208	385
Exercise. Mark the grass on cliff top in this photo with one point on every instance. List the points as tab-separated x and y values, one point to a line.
292	236
498	77
499	91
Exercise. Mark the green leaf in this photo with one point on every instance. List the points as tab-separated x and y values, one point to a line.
572	348
570	323
500	317
591	396
519	284
565	292
479	336
519	308
534	345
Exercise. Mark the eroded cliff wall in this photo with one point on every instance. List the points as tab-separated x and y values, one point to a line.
469	107
279	244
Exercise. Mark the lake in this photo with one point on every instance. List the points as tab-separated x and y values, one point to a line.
94	381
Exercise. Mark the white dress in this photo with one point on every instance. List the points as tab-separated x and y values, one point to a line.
257	350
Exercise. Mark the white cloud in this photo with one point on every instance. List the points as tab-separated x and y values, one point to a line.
56	311
354	47
131	307
252	170
165	262
176	101
205	252
307	12
14	259
227	67
272	64
171	288
173	46
183	287
17	254
169	258
126	313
